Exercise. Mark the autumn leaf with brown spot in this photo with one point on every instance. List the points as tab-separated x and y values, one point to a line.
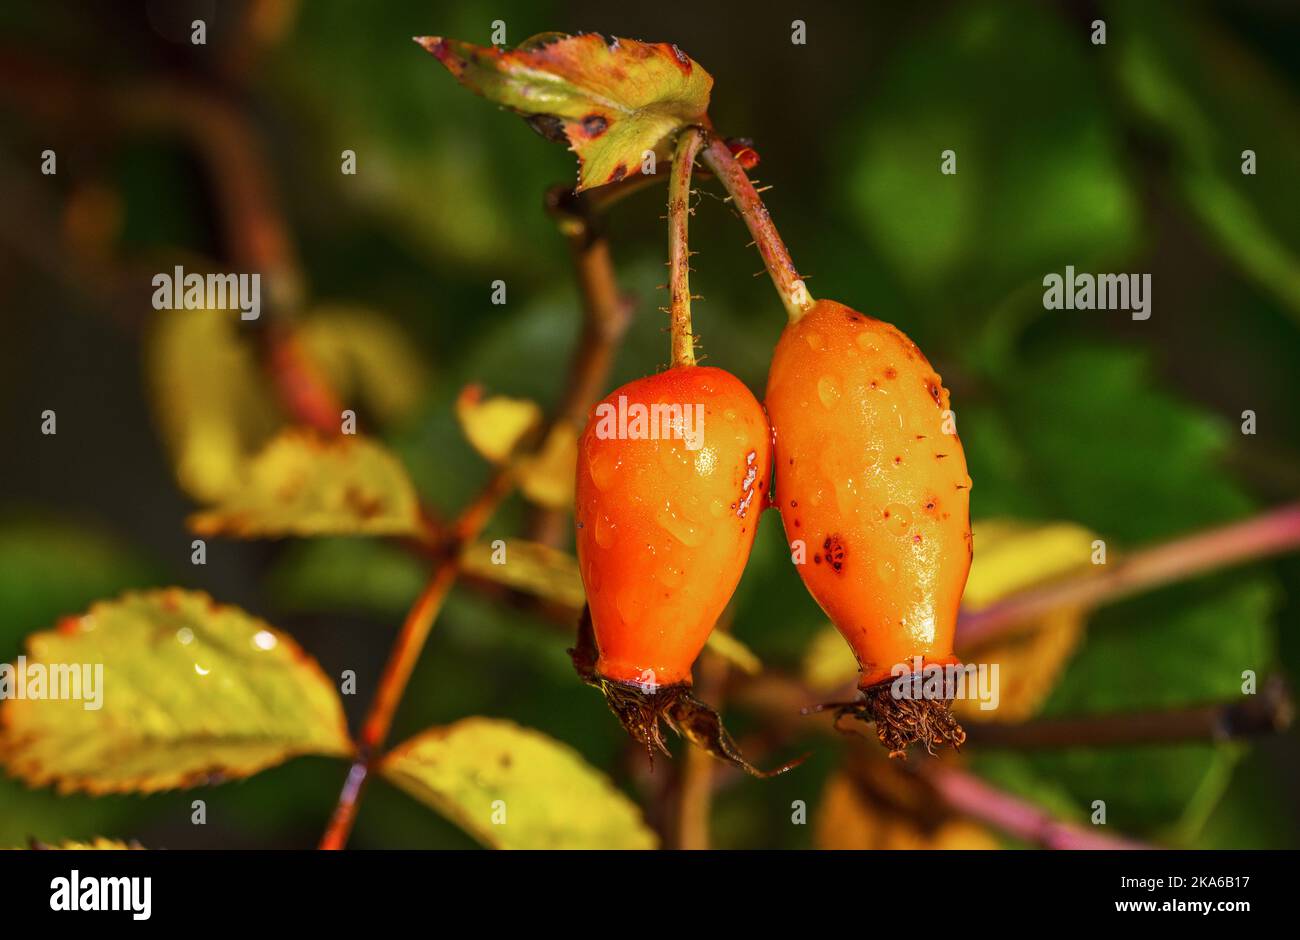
610	101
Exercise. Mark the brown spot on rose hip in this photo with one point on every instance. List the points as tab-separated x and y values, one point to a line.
835	551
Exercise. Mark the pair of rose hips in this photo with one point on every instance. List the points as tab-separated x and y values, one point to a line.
872	488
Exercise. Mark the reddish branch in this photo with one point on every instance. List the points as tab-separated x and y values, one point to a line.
406	652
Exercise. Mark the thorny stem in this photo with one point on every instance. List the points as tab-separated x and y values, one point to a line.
1267	534
679	253
406	652
794	295
971	796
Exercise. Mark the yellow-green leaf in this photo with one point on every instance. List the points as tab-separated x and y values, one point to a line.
515	788
305	484
547	478
98	843
1011	556
530	567
188	692
828	663
882	811
212	403
610	101
496	425
363	354
735	652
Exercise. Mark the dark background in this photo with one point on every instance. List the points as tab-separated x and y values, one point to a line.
1115	158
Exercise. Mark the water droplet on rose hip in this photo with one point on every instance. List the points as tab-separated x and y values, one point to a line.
670	575
828	390
593	577
866	342
605	534
628	604
604	468
679	527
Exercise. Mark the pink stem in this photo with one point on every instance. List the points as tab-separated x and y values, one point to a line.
1268	534
971	796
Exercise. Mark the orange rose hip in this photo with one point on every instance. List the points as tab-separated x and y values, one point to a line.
871	477
672	475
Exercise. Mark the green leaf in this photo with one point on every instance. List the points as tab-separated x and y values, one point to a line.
515	788
1050	449
190	692
48	567
610	101
305	484
346	574
1212	99
1172	648
1041	182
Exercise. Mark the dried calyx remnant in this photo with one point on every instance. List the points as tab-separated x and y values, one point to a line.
642	709
901	721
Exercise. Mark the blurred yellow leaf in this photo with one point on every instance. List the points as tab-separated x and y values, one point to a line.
1011	556
734	652
547	478
828	663
363	354
99	843
212	403
530	567
852	816
515	788
494	426
1029	663
188	692
305	484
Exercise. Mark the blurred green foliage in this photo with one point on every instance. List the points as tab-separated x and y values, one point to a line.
1123	157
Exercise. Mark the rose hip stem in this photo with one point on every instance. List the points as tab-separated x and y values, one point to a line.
679	255
718	158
